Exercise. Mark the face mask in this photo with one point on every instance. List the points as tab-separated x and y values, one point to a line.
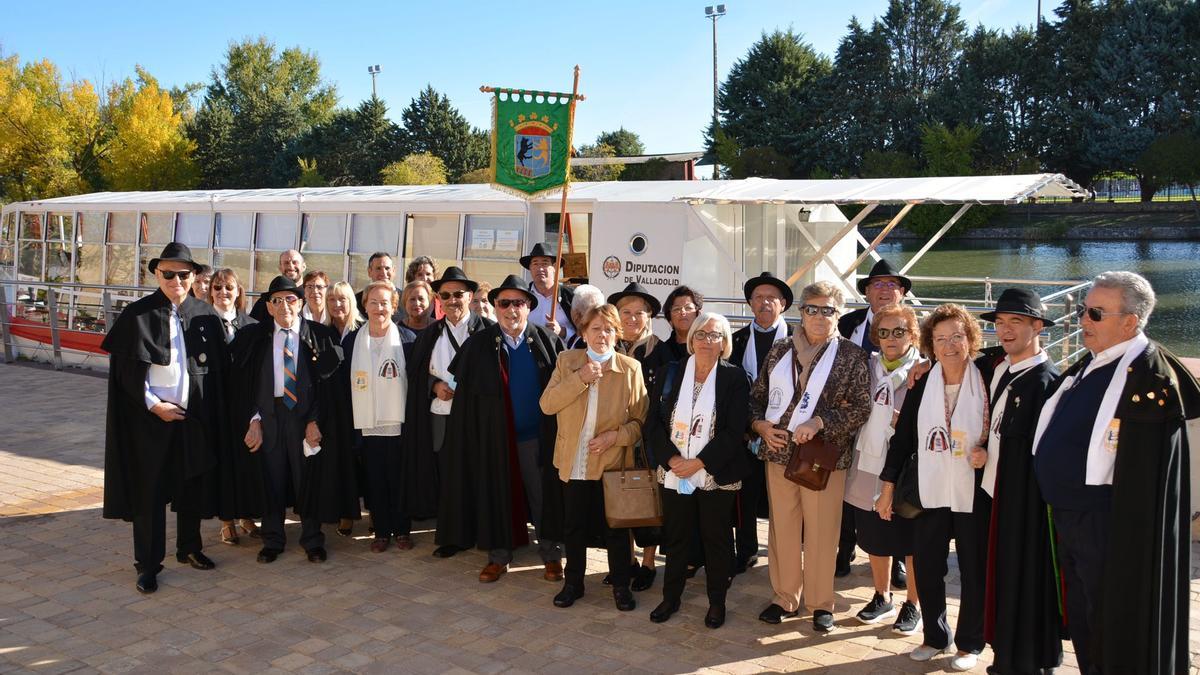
600	358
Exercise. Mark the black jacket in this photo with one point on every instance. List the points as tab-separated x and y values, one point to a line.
741	338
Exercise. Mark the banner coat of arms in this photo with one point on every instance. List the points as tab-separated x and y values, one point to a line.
531	141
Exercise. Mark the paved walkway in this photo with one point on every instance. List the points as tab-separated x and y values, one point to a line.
67	602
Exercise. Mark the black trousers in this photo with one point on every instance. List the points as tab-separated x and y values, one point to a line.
848	537
705	512
583	516
751	501
283	462
381	459
150	525
933	530
1082	543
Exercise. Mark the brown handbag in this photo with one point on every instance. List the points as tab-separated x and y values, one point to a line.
631	496
811	463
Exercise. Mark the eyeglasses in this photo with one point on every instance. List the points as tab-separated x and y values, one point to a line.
168	274
285	300
957	338
710	337
686	309
505	303
885	333
825	311
224	287
446	295
885	285
1095	313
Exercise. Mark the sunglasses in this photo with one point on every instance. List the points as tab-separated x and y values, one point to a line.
285	300
885	333
1094	313
813	310
224	287
712	337
505	303
446	295
168	274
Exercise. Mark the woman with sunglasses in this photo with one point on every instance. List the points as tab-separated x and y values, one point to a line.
814	383
944	426
894	333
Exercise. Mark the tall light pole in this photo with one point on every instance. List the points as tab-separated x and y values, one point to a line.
715	13
373	70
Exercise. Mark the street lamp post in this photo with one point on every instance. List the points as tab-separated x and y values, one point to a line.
714	13
373	70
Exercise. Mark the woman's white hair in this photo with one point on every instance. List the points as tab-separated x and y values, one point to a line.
1137	297
586	297
722	325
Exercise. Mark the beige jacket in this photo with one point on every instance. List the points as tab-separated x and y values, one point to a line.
623	405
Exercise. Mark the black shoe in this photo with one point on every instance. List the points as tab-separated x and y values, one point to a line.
345	531
567	596
744	564
822	621
664	610
715	618
317	555
447	551
643	578
147	582
268	555
878	609
774	614
842	565
909	621
899	575
624	599
197	560
692	570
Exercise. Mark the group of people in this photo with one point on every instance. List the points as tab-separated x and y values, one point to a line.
497	409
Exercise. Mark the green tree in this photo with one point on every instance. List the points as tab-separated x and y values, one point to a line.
476	177
859	95
310	176
1172	158
624	142
421	168
949	152
353	146
888	164
600	172
148	148
434	126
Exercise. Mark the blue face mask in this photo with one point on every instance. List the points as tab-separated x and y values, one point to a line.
600	358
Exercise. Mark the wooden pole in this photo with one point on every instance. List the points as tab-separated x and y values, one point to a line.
562	212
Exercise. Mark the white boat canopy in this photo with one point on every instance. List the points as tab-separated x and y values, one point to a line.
937	190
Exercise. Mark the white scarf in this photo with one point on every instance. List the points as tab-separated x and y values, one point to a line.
750	361
944	473
1102	448
690	424
993	448
782	386
439	362
378	390
876	434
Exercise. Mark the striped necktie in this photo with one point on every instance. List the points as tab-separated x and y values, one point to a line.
289	371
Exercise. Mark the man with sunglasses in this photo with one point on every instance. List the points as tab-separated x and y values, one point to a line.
499	445
431	393
284	410
1111	459
292	266
166	372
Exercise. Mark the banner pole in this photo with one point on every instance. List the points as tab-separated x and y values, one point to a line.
562	212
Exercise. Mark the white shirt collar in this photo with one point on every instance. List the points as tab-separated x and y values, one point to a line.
772	329
535	291
513	342
1109	355
1025	364
295	326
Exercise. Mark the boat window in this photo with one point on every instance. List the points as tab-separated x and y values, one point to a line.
91	227
122	227
155	230
7	232
323	243
276	233
89	247
232	235
493	246
195	230
31	226
433	235
369	233
60	227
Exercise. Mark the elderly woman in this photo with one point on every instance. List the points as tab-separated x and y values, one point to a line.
943	431
586	297
228	297
695	430
417	296
316	286
814	383
343	309
600	402
479	302
893	330
378	392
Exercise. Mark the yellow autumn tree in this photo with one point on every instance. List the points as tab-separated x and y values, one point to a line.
148	149
420	168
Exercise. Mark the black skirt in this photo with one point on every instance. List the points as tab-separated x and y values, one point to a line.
880	537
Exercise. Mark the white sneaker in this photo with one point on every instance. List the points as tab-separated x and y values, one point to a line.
964	662
925	652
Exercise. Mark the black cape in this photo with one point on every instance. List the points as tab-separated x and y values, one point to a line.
482	500
1141	622
420	460
235	460
321	493
1022	620
135	448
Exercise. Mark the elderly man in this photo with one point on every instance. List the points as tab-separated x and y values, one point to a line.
768	298
498	444
1111	460
165	417
380	268
291	265
541	268
431	394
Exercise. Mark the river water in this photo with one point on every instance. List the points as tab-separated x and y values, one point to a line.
1173	268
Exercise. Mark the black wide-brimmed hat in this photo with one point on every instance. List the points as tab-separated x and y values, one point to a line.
282	284
175	252
538	251
454	274
772	280
1019	301
883	268
636	290
513	282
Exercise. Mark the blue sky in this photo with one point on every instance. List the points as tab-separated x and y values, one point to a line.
645	65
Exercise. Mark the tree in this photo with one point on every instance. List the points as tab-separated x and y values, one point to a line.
476	177
256	105
859	94
417	169
948	152
599	172
310	176
434	126
1172	158
624	143
148	149
888	164
354	145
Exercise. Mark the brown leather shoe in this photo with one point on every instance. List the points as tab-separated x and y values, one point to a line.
491	572
554	571
404	542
